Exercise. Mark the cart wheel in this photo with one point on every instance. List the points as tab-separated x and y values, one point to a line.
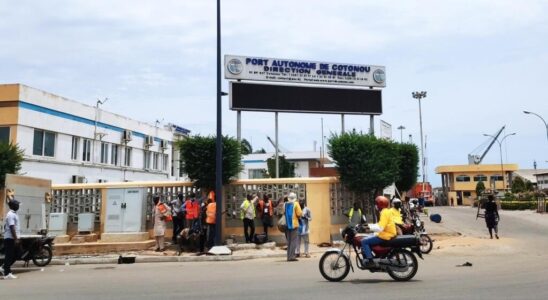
43	256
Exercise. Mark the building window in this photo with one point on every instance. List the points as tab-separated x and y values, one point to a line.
114	155
86	150
165	162
257	173
155	161
480	178
5	135
127	157
75	144
463	178
467	194
104	153
44	143
496	178
146	160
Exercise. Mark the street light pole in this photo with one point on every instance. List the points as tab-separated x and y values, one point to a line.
219	140
500	151
532	113
401	128
419	96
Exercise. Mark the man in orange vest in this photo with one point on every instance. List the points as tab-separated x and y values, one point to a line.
265	213
192	210
211	211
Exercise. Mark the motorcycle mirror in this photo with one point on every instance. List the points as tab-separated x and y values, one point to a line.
364	219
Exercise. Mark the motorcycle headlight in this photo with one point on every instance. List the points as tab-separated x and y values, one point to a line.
418	223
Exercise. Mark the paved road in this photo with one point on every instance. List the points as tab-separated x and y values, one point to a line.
510	275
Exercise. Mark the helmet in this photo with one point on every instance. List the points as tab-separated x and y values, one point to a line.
381	202
396	203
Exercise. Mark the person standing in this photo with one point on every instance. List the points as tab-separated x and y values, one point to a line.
211	214
304	229
293	212
177	217
492	216
355	215
247	214
265	212
159	213
192	210
12	233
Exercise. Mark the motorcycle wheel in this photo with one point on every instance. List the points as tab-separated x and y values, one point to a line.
426	244
404	258
43	257
334	267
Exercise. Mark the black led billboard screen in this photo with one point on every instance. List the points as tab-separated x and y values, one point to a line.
293	98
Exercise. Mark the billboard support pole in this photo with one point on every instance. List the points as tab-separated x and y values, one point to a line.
277	158
371	124
342	123
239	125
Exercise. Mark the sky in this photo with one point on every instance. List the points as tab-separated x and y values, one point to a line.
481	62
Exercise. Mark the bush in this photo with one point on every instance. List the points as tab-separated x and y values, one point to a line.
518	205
11	157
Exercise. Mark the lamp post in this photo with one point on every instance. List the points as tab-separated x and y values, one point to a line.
219	140
419	96
532	113
500	151
401	128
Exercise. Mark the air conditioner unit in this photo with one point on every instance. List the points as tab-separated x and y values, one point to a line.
86	222
126	136
163	144
78	179
149	140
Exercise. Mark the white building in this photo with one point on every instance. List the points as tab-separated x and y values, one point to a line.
255	165
542	181
67	141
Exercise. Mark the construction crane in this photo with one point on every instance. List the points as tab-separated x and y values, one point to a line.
476	159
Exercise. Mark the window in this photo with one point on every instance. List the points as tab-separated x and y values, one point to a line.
155	161
75	144
86	150
480	178
104	153
114	155
256	173
463	178
496	178
146	160
165	162
4	135
127	157
44	143
467	194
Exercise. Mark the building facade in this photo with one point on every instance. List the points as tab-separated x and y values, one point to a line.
70	142
255	165
459	181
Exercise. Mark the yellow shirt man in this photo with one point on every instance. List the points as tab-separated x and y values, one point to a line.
386	226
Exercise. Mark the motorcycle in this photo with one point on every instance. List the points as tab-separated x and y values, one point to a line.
417	228
38	248
395	257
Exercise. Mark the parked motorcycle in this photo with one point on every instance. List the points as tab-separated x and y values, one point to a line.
38	248
417	228
392	257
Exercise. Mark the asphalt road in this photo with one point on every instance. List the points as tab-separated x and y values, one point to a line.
517	274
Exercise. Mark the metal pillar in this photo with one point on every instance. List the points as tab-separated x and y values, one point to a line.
371	125
219	140
277	158
239	125
342	123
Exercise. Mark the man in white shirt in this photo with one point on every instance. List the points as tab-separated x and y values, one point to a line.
11	238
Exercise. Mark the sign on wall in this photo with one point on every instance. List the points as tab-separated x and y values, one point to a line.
386	130
303	72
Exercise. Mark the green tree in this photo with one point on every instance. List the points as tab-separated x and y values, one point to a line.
260	151
518	185
10	161
246	147
287	169
365	164
198	159
408	166
480	188
529	186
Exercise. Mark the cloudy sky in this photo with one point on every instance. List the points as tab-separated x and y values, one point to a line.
481	62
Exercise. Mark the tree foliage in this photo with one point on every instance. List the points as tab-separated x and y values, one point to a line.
408	166
518	185
480	188
260	151
365	163
198	159
287	169
11	157
246	147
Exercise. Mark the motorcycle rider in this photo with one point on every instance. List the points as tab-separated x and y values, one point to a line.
384	230
396	214
11	238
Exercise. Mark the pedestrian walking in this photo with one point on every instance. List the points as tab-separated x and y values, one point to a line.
265	213
293	212
247	214
304	229
492	216
159	213
12	232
